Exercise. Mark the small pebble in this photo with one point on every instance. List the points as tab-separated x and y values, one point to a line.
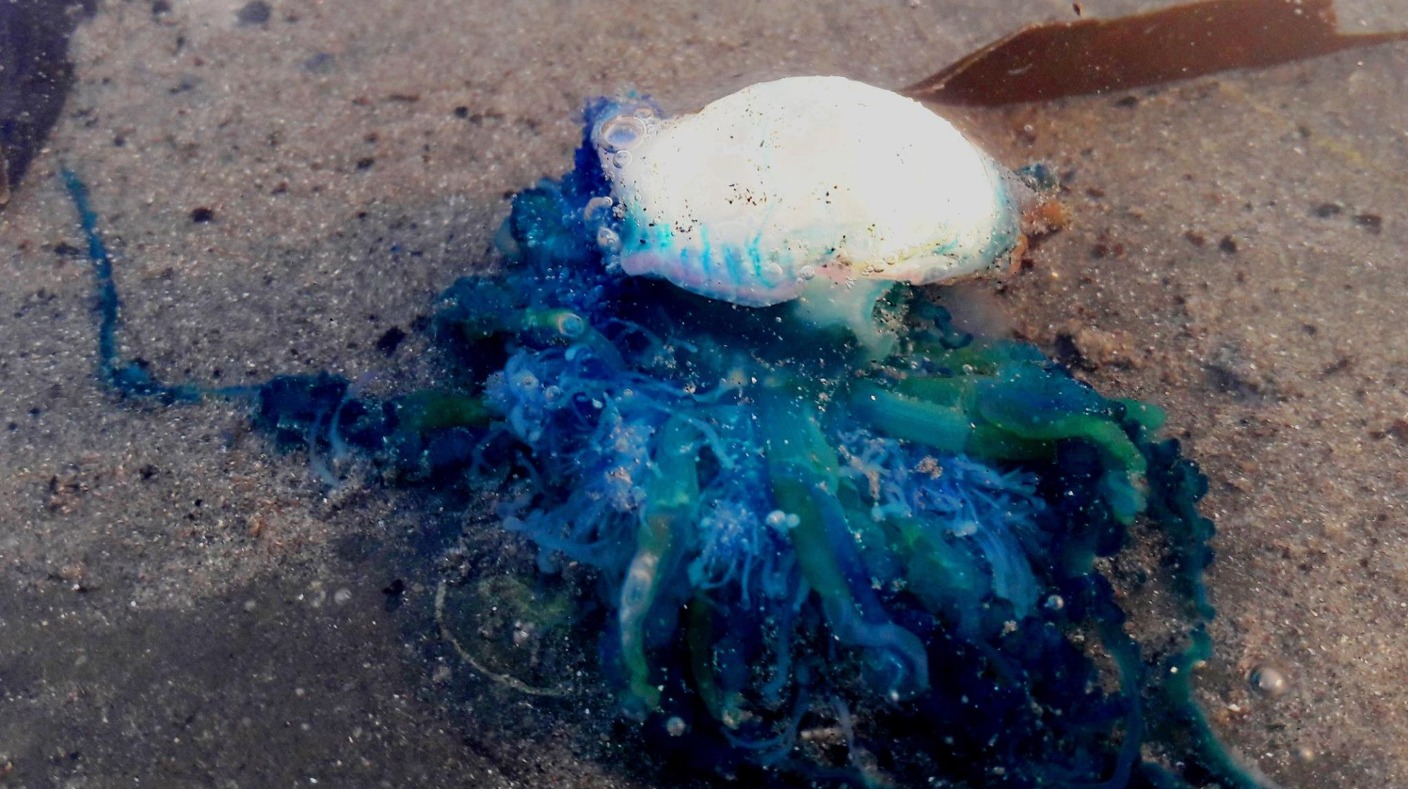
391	340
1268	681
256	12
1373	223
320	63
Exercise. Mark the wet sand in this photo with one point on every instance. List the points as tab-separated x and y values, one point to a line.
283	184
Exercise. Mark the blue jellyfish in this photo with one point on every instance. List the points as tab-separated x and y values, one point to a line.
811	503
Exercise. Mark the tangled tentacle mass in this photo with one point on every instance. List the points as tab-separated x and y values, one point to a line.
794	533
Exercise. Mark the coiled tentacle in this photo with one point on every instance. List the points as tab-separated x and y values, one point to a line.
803	470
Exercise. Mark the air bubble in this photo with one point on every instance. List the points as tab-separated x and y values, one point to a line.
807	272
620	133
621	159
608	240
598	209
571	325
1268	681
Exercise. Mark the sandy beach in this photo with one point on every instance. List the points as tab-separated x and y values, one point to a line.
285	182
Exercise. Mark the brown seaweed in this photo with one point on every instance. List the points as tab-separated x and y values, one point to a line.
1092	56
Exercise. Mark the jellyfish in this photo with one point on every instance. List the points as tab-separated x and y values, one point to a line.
811	502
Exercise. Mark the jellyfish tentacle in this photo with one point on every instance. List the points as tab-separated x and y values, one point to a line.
700	638
1017	412
564	325
1035	404
128	377
1177	486
303	410
946	428
946	579
428	410
666	518
1109	624
1185	714
804	476
1045	404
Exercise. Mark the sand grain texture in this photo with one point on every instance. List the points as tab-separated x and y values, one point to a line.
172	610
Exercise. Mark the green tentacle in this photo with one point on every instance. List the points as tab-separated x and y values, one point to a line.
804	472
671	506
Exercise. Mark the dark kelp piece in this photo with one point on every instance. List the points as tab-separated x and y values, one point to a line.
35	76
1090	56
